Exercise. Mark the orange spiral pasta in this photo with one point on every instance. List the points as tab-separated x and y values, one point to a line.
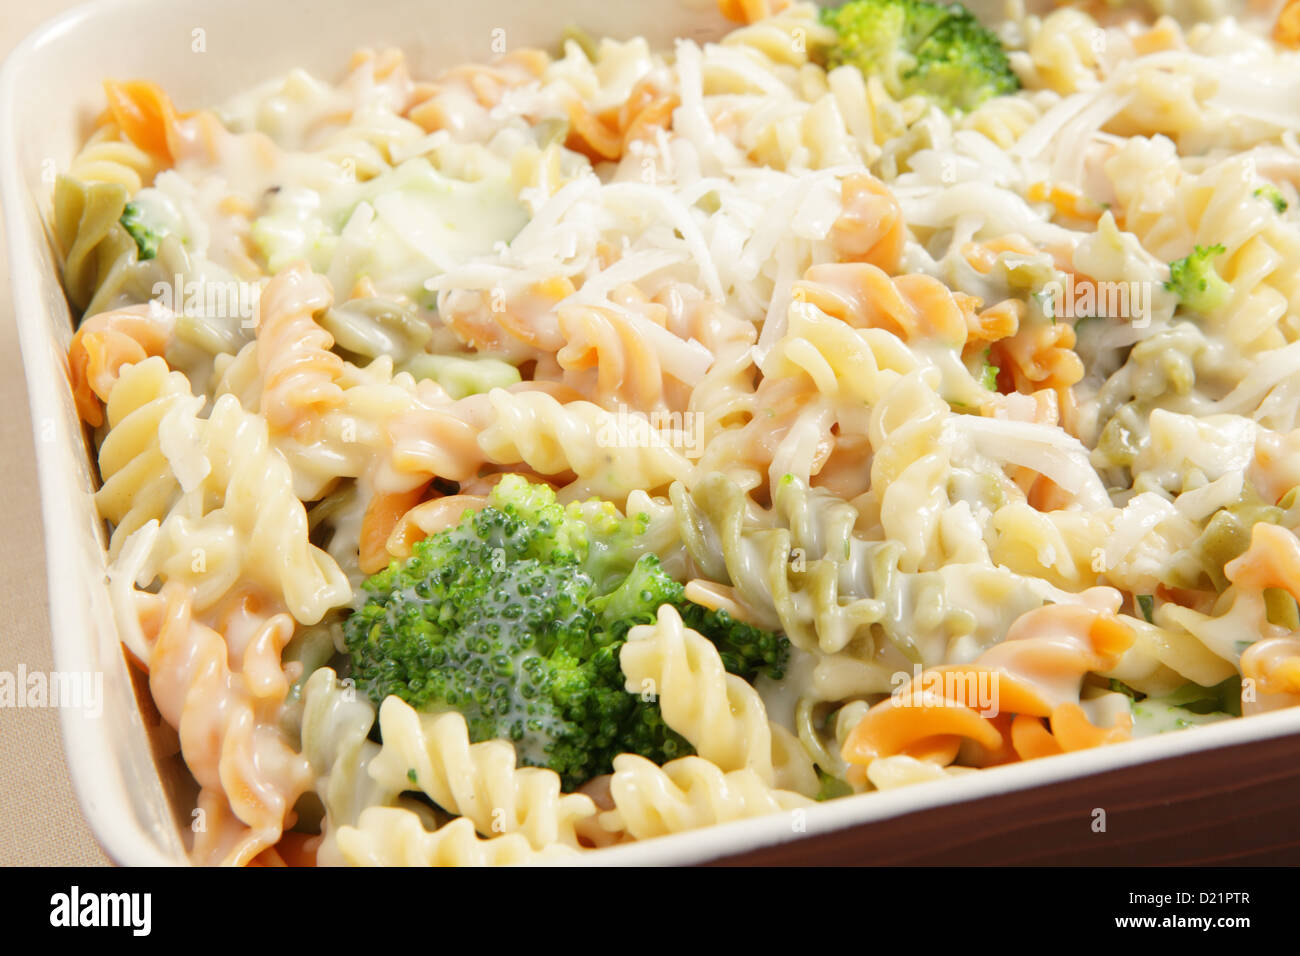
912	307
1069	203
521	327
1272	663
438	438
999	702
982	256
608	136
607	345
1287	28
434	105
790	414
1271	561
615	355
426	518
299	371
223	693
1039	356
996	322
871	228
106	342
145	115
748	11
381	517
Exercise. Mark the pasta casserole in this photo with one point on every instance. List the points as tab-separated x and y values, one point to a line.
598	443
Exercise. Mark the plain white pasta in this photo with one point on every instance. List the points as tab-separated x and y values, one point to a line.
900	770
480	782
391	836
223	495
719	714
686	794
608	456
139	484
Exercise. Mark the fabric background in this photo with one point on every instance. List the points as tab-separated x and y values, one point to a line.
41	823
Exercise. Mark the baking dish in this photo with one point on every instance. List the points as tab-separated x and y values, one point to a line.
49	93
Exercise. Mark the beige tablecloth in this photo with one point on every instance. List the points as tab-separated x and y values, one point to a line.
40	820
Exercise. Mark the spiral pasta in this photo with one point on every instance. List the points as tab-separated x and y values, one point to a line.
1218	206
720	714
1270	565
299	372
479	782
553	438
880	404
372	325
136	140
226	713
625	350
799	593
223	496
998	701
109	157
391	836
97	250
106	342
686	794
335	732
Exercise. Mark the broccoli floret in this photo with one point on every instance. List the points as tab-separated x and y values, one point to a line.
1196	283
989	372
146	239
1223	697
463	375
1273	195
1119	687
745	650
938	50
515	619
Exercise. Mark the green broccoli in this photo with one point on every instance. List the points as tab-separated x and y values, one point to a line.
989	373
915	46
515	619
1119	687
831	787
146	238
1273	195
1224	697
1196	283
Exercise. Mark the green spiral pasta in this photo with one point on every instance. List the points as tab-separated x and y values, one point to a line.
336	723
798	571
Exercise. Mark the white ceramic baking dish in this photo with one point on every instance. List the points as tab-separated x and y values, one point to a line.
50	90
